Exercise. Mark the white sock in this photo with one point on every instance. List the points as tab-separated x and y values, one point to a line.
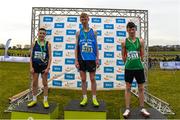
84	96
45	98
94	96
34	98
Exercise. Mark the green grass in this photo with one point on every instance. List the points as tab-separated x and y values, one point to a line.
164	84
14	78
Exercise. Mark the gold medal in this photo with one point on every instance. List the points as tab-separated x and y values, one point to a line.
86	44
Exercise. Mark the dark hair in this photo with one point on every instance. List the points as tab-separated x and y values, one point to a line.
131	25
42	29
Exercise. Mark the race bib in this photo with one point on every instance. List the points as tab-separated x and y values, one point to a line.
39	55
86	48
133	55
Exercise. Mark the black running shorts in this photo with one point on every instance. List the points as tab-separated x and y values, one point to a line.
87	65
137	74
39	67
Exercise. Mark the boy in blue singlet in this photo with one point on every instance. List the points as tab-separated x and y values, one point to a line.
87	57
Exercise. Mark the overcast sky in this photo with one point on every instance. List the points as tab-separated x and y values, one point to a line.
164	17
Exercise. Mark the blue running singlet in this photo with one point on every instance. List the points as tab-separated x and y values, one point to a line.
87	45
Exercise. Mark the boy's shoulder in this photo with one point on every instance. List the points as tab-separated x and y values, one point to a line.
34	42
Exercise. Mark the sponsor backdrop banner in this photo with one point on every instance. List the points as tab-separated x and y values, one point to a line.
61	31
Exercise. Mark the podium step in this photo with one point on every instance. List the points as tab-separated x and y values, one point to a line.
36	112
74	111
136	114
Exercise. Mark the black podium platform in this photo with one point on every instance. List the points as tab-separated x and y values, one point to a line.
74	111
36	112
136	114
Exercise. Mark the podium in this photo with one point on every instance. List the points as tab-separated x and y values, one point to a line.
74	111
136	114
36	112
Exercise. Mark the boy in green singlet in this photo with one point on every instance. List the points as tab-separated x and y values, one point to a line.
132	55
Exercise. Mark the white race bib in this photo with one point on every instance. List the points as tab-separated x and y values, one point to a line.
39	55
86	48
133	55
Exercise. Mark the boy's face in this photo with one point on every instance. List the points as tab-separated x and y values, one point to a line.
84	20
131	31
41	34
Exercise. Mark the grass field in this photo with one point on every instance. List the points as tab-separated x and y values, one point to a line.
164	84
14	78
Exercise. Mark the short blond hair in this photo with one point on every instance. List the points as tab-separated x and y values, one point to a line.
83	15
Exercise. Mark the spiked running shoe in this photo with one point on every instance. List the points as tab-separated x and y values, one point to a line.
83	102
46	104
95	102
32	103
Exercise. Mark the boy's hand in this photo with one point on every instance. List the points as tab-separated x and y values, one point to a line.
97	63
32	70
46	70
77	64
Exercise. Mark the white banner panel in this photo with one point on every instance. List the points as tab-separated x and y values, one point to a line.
61	31
170	65
14	59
